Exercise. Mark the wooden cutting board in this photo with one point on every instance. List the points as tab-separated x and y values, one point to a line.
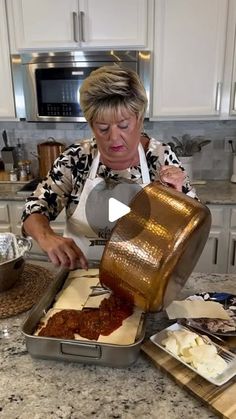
221	400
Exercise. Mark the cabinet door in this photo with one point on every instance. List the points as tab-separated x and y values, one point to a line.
232	252
232	242
215	253
58	24
44	24
230	64
112	23
4	217
189	46
7	108
16	209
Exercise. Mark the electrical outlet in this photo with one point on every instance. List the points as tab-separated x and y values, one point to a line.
230	144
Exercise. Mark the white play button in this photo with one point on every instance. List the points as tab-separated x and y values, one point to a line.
111	202
116	209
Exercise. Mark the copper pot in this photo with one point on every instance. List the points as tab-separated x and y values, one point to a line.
47	154
151	254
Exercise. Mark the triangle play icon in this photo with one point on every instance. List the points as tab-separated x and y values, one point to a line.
116	209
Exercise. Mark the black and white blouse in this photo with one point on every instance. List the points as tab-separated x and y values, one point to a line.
64	183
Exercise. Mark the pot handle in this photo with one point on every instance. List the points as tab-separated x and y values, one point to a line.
51	139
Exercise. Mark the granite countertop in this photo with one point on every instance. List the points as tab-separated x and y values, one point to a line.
217	192
34	388
213	192
8	191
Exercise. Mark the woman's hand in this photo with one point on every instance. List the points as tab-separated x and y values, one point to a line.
173	175
63	251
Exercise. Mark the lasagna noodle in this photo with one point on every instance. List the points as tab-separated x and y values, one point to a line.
95	301
126	333
191	309
75	293
77	273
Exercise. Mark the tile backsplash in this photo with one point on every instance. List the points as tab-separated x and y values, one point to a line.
213	162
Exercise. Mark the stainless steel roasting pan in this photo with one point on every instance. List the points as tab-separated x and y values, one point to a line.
89	352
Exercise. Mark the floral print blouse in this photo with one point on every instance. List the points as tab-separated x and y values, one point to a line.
64	183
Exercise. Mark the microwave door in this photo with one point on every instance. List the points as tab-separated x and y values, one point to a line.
57	91
52	93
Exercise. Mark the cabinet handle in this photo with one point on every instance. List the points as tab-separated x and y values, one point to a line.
234	97
81	26
75	26
233	253
218	96
215	257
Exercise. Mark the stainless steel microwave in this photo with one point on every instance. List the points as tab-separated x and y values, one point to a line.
51	81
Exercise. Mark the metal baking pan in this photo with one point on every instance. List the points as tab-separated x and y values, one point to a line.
89	352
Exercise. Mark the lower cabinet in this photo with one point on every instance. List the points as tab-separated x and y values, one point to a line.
5	223
232	242
219	253
10	220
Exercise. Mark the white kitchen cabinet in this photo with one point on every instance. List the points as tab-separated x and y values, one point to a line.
7	107
232	242
189	51
228	105
219	254
16	208
112	23
71	24
42	24
5	224
10	220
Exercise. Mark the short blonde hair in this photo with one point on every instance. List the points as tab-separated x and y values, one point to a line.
112	89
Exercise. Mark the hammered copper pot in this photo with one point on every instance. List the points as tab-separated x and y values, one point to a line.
153	249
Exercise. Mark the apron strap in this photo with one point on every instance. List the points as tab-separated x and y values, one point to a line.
94	166
143	165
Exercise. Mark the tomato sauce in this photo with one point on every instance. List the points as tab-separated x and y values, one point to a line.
88	323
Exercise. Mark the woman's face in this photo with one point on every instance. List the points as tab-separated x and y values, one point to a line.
117	139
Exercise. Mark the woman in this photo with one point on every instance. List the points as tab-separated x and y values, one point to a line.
113	101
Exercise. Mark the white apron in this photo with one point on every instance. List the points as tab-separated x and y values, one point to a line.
89	225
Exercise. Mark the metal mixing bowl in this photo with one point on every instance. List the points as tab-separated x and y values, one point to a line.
12	251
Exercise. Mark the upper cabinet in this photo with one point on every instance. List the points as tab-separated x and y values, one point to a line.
112	23
228	103
7	108
43	24
71	24
189	53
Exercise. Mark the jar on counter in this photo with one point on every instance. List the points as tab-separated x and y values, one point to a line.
28	169
22	171
25	170
13	175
